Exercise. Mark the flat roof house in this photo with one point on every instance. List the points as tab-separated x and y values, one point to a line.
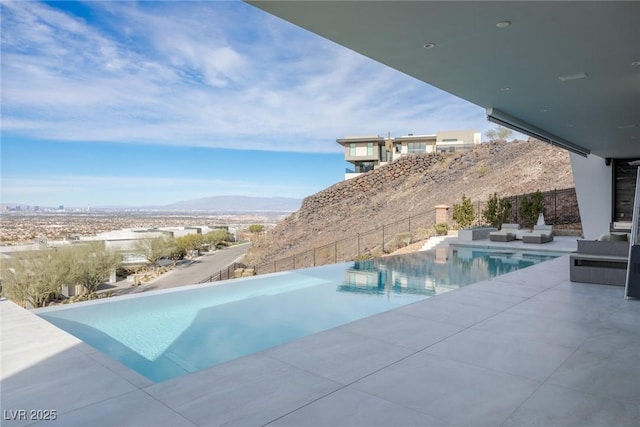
574	83
369	152
528	348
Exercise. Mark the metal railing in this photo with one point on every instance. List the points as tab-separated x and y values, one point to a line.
224	274
561	208
377	241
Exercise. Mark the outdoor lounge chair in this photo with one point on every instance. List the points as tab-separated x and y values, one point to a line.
540	234
507	233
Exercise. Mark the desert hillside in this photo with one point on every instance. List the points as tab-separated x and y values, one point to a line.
411	186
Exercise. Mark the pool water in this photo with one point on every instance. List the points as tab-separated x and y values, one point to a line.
165	334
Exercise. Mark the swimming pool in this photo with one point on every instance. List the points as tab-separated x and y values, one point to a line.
165	334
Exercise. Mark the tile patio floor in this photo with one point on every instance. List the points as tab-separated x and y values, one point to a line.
528	348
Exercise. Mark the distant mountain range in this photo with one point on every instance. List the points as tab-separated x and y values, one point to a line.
237	204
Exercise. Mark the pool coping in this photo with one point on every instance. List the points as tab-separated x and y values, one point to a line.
46	368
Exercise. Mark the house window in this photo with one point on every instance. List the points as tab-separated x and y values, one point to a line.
450	140
352	149
362	167
416	147
370	149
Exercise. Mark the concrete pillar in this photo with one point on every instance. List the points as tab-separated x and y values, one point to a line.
442	214
592	178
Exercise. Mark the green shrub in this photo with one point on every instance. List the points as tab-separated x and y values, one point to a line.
497	211
463	213
531	207
441	228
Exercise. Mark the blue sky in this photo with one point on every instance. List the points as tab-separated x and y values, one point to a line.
149	103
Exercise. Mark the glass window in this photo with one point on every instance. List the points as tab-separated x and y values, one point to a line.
370	149
417	147
352	149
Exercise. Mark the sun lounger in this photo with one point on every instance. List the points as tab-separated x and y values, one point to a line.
540	234
507	233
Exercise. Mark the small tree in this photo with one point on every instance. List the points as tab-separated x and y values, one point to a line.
217	237
190	242
531	208
154	249
464	213
500	134
92	264
497	211
34	278
256	230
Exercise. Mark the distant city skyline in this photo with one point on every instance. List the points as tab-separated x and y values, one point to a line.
150	103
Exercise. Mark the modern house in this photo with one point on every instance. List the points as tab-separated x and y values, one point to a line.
524	349
574	85
369	152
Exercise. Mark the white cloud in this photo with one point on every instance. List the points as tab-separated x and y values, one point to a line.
201	74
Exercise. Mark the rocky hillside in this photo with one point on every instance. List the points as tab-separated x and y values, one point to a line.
413	185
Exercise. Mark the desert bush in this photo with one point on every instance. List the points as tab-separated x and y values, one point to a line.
441	228
464	214
531	207
497	211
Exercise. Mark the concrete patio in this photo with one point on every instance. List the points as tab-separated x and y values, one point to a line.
528	348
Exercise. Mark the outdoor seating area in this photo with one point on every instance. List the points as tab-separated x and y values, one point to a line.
511	232
601	261
540	234
506	233
553	353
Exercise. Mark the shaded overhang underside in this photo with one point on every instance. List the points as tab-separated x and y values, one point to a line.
531	69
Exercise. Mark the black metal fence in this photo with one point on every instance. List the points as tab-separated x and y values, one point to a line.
375	242
224	274
561	207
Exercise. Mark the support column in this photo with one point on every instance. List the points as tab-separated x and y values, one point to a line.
442	214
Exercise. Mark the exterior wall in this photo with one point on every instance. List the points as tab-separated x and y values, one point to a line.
349	175
362	149
442	141
462	137
593	187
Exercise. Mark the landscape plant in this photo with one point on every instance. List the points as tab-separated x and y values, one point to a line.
441	228
91	265
463	213
155	249
34	278
256	229
531	207
499	134
497	211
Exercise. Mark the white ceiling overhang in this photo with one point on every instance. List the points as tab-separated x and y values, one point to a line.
568	69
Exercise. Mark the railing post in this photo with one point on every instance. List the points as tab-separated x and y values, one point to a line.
314	257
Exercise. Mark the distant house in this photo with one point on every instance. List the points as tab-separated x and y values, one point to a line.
369	152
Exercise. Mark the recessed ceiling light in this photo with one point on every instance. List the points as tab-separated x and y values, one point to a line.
635	63
503	24
505	89
429	45
576	76
543	110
